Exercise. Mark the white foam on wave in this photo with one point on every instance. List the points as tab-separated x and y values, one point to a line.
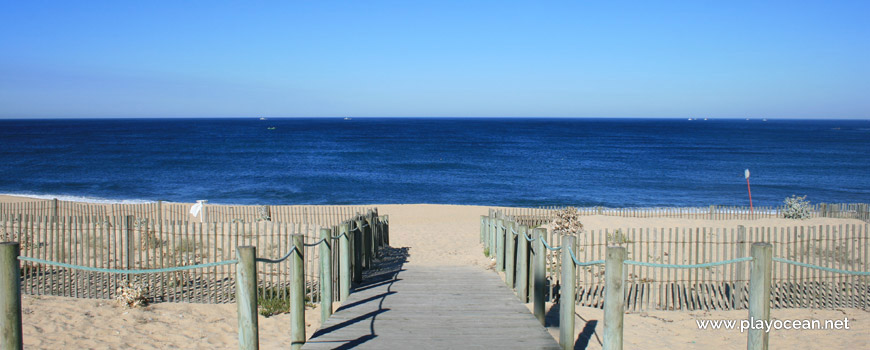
96	200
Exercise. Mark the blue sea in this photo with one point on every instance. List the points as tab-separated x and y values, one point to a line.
492	161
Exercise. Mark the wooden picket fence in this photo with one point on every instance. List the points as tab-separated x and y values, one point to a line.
534	217
170	239
845	247
321	215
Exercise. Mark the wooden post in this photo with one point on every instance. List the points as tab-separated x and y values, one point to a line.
246	297
357	252
387	230
130	243
614	297
325	274
369	247
499	245
54	207
10	297
510	259
297	294
759	294
482	224
343	262
523	265
566	301
540	285
712	211
740	268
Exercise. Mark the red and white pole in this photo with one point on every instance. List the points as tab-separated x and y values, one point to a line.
750	191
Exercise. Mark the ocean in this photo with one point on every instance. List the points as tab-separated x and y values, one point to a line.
480	161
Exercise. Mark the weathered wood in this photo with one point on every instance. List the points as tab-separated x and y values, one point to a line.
566	301
297	293
357	251
433	306
740	276
614	297
344	262
325	274
10	297
499	245
523	265
540	265
246	297
510	259
759	294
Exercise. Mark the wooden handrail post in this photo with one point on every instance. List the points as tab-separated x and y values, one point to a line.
540	285
614	297
387	230
566	301
297	293
499	245
10	297
357	251
759	294
367	241
523	263
510	259
246	297
343	262
482	225
325	274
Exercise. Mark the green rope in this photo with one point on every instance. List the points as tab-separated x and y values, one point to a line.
594	262
688	266
548	246
315	243
857	273
343	234
127	272
270	261
528	238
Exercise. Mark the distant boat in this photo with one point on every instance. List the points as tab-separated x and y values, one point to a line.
271	128
705	118
764	120
261	118
346	118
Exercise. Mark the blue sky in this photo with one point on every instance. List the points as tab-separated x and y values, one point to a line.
788	59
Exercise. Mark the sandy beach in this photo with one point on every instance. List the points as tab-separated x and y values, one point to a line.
435	235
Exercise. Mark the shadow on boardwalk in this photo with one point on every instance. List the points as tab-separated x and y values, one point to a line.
385	270
403	306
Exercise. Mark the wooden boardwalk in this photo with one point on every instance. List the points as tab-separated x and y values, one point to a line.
449	307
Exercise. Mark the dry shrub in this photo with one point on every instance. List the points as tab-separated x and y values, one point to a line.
567	222
132	295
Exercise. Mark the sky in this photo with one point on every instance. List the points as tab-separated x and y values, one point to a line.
659	59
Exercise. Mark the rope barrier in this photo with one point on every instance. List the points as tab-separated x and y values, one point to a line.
588	263
314	244
857	273
514	231
127	272
528	238
688	266
343	234
548	246
270	261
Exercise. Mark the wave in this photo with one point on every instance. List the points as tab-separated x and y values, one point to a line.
69	198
